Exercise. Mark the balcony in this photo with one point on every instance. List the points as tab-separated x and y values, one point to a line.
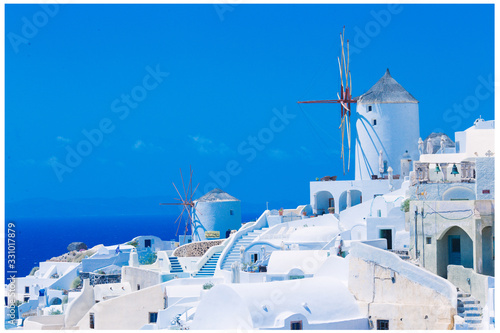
424	173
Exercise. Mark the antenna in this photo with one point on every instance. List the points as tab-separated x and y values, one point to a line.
344	99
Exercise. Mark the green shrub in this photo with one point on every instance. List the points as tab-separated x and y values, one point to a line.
76	282
148	258
55	312
65	299
134	243
33	270
405	206
208	286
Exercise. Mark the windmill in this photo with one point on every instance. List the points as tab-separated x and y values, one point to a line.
187	202
344	99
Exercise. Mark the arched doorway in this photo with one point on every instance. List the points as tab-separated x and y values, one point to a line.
324	200
455	247
56	301
356	198
487	247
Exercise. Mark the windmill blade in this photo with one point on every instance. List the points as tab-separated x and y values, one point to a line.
189	221
348	71
190	185
340	69
192	194
349	143
172	204
180	217
350	85
178	192
182	179
343	57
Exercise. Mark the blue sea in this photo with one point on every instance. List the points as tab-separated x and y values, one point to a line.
39	239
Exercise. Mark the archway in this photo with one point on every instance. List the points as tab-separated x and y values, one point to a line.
487	247
455	247
356	198
459	193
56	301
324	200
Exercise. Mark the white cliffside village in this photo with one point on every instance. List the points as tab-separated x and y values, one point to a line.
407	244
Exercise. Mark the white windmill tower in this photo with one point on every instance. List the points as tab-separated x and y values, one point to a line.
221	214
388	121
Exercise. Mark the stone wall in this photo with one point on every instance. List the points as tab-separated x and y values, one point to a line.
388	288
196	249
471	282
138	276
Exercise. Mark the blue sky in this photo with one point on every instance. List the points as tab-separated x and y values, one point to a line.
163	87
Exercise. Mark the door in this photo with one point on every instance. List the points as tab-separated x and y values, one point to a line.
387	234
454	254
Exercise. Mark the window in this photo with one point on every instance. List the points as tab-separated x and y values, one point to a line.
296	325
91	319
26	298
369	108
428	240
153	317
254	257
147	243
486	191
26	290
231	212
374	122
6	301
382	324
138	287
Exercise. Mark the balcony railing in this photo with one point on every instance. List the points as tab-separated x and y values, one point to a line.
443	173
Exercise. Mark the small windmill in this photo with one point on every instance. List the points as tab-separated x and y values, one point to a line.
187	202
344	99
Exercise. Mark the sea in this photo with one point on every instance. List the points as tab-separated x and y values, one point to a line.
39	239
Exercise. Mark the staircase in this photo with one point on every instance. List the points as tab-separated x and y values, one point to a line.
468	308
176	267
209	268
234	253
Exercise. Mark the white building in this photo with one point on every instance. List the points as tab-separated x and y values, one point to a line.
214	214
387	141
388	121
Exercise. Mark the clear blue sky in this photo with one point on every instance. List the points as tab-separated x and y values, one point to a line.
71	68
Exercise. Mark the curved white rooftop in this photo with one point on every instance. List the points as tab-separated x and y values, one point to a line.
308	261
266	305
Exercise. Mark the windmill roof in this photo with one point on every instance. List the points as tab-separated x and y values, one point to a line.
217	195
386	90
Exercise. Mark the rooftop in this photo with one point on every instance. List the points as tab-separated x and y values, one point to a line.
217	195
386	90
